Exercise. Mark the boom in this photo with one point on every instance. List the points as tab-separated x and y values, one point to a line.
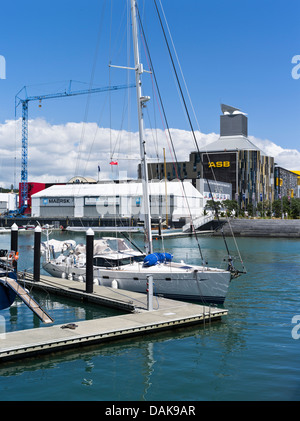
24	102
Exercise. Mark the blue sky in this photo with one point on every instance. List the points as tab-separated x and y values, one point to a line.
238	53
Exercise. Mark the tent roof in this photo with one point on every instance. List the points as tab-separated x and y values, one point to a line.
121	189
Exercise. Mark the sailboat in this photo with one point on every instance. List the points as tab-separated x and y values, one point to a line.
117	264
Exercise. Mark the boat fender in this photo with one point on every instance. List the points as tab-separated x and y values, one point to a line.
70	277
80	278
155	258
114	284
96	282
63	275
13	256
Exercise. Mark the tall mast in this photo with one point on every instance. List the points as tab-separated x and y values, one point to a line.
140	104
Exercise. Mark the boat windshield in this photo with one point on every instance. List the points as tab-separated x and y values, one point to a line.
117	244
110	263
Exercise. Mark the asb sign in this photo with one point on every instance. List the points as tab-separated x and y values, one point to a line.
219	164
222	166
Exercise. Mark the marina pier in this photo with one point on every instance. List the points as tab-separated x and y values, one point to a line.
136	320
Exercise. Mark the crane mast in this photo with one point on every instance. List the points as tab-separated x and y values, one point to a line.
24	101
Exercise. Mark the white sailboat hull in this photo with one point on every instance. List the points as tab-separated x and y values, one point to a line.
175	280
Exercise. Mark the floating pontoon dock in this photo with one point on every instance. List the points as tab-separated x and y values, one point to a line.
166	314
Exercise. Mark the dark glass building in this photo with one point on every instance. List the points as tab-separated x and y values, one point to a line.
233	159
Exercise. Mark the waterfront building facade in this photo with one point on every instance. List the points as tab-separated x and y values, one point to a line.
216	190
298	182
109	200
286	183
232	159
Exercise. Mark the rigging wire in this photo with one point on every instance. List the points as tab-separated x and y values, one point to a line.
186	88
90	87
95	136
108	95
115	141
181	72
185	84
168	130
230	261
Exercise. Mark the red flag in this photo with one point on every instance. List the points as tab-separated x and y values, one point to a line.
113	163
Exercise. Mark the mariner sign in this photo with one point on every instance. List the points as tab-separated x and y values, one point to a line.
219	164
57	201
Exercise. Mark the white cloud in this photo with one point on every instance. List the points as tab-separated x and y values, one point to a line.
286	158
57	153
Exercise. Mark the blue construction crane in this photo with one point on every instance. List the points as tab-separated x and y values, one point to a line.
24	102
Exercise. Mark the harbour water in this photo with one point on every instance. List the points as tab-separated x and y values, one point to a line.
251	355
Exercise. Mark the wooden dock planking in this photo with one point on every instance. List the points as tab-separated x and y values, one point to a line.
110	297
28	300
170	314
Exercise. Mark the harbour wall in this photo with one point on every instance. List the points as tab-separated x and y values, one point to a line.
284	228
63	222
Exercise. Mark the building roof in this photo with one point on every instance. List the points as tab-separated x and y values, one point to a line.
121	189
80	179
231	143
228	109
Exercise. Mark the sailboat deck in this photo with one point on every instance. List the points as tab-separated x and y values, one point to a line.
167	314
164	267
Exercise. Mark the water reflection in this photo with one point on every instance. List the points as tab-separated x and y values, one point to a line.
62	310
249	355
142	356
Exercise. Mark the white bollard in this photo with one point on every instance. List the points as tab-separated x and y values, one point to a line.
149	292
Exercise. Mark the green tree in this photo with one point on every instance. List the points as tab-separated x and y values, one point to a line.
264	208
250	209
213	205
231	205
295	208
276	206
286	207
